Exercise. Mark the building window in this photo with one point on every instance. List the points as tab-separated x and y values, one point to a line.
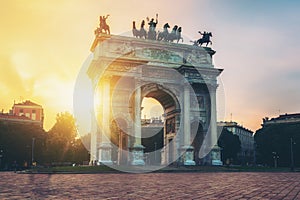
33	111
21	111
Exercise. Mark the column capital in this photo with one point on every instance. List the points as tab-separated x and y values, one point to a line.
212	87
138	81
106	78
187	84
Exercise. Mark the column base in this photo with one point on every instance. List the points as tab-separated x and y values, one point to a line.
215	156
188	156
105	154
138	155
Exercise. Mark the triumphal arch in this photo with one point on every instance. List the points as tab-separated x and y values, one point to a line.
182	77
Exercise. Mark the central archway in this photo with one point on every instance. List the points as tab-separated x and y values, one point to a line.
158	141
152	130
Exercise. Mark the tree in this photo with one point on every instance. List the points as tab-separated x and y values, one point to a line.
16	140
273	142
230	145
63	144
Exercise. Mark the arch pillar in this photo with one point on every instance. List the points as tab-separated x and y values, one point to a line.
138	148
187	148
215	154
105	148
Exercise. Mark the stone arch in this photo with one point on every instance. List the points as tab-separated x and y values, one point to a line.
162	94
171	107
131	69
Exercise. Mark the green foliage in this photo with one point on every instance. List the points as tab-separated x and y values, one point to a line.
230	145
62	144
16	140
274	141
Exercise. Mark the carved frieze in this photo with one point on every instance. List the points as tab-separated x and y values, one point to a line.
160	74
123	67
160	55
197	57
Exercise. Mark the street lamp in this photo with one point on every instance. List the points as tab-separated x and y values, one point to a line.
292	155
1	155
32	151
275	157
155	153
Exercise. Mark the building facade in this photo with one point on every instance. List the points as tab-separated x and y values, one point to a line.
247	154
25	112
282	119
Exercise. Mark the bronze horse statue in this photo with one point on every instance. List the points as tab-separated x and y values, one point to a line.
164	34
139	33
103	25
175	34
178	35
205	38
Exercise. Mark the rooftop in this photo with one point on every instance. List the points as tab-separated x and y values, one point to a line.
285	118
233	124
26	103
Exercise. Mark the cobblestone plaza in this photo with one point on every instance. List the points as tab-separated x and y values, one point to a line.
219	185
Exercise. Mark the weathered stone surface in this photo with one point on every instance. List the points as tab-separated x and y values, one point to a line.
151	186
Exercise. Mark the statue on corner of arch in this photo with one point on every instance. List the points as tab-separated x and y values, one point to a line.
205	38
103	25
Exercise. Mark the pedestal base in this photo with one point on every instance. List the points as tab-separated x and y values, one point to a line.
105	154
215	156
138	154
188	156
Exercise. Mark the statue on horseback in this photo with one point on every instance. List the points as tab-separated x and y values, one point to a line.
205	38
103	25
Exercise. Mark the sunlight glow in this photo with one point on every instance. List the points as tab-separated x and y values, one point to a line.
151	108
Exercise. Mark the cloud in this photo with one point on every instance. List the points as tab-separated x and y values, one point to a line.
45	43
12	85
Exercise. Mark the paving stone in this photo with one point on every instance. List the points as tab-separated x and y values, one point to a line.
151	186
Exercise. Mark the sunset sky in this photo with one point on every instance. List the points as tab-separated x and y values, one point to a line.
45	42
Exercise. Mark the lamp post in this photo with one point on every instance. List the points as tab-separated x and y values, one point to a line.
1	155
275	157
155	153
292	155
32	151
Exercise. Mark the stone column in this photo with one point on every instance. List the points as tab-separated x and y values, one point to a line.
105	146
94	139
138	148
188	149
94	129
215	152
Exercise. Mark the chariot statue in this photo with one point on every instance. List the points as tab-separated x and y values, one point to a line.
152	26
174	35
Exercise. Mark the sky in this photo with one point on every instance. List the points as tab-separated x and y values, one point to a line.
45	42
